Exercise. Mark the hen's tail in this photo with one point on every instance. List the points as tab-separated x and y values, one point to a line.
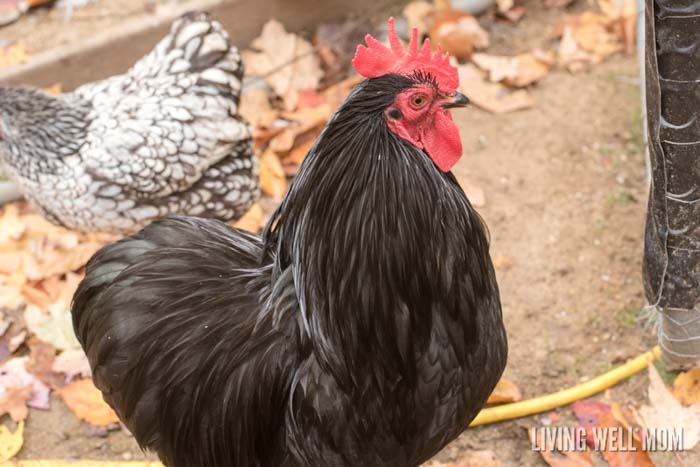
199	47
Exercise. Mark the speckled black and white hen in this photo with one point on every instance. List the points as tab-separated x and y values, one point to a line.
163	138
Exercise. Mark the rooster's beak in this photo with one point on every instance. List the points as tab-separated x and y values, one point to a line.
459	100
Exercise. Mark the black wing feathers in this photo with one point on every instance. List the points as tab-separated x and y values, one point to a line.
174	323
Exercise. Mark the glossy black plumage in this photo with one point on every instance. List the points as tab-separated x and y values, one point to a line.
363	329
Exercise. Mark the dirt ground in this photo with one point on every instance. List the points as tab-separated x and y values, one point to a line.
45	28
565	187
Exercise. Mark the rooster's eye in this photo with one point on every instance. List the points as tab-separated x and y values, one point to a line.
418	101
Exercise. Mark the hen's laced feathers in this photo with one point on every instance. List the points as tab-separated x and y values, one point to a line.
38	128
164	138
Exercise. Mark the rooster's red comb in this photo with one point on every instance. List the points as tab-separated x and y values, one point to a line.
376	60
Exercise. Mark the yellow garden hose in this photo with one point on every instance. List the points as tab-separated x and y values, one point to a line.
488	415
569	395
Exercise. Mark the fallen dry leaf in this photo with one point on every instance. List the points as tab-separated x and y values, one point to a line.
14	403
54	327
504	5
255	105
570	55
614	418
13	54
591	37
336	94
85	401
295	157
304	120
548	57
13	374
11	288
10	442
286	61
470	459
252	221
518	71
38	249
419	15
664	411
686	387
10	294
53	324
55	89
72	363
591	33
11	226
273	181
502	262
627	419
458	33
623	16
589	414
505	391
475	194
13	329
33	3
40	363
593	415
492	97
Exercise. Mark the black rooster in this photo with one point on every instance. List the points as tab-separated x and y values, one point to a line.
364	327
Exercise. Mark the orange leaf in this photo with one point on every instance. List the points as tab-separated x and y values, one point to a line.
518	71
505	391
295	157
502	262
86	402
593	415
686	387
252	221
33	3
15	402
627	419
38	249
458	33
303	120
55	89
273	180
40	363
336	94
14	54
618	457
36	295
